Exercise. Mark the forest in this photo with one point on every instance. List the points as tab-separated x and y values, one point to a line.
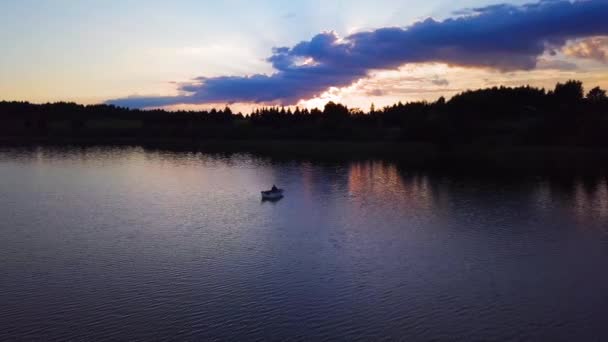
501	116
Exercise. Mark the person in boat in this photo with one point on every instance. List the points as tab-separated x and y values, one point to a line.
274	188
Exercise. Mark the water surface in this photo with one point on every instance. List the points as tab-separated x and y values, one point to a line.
134	244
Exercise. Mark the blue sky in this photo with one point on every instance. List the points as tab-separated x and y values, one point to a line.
94	51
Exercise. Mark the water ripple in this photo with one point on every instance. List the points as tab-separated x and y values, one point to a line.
129	244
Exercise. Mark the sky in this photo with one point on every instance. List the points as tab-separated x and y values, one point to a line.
186	54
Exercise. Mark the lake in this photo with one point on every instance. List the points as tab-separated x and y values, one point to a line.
135	244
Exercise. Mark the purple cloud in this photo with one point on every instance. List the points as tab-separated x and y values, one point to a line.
501	37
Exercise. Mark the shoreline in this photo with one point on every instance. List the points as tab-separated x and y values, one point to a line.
460	157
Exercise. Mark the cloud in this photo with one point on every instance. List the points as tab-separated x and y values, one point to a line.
136	101
440	81
376	92
595	48
555	64
500	37
399	84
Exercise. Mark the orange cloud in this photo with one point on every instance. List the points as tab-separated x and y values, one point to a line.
595	48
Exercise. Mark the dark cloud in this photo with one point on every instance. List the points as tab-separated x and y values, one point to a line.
501	37
151	101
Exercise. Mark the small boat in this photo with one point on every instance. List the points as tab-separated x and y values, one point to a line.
272	194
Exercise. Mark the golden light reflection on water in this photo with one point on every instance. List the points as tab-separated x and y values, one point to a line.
590	200
384	182
185	177
582	199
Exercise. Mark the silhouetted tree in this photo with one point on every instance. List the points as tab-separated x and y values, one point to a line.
498	115
596	95
571	91
335	111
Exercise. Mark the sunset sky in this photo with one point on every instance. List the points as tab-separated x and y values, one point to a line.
198	54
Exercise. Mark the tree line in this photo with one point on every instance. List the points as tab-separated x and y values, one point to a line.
565	115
